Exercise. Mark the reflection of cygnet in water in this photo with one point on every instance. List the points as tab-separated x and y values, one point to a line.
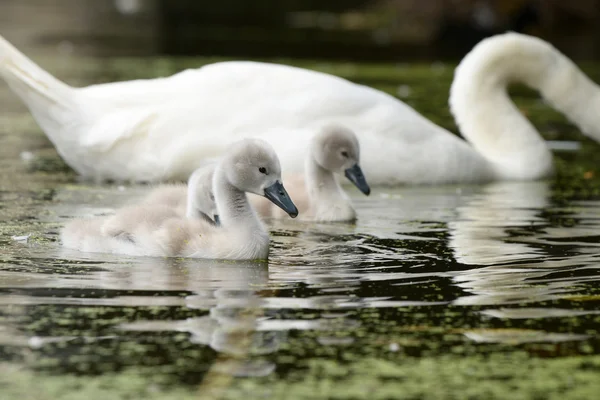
479	233
232	326
235	336
229	291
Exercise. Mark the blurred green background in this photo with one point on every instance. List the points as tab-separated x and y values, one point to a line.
404	30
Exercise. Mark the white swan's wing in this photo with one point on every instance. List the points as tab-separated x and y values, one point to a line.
240	85
118	126
141	92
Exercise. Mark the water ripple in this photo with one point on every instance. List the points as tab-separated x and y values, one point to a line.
423	269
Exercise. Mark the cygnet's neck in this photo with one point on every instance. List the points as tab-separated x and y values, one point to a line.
232	205
492	123
325	194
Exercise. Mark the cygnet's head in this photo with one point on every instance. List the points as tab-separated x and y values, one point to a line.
252	165
336	149
201	196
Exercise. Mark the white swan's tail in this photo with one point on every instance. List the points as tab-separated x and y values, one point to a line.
49	99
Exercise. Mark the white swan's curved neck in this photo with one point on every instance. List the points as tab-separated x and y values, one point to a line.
492	123
232	204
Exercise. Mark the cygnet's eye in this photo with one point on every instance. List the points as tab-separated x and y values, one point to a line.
345	154
263	170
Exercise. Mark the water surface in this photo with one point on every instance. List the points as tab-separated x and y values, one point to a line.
472	286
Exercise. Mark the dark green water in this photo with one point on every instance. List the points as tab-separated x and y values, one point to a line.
450	292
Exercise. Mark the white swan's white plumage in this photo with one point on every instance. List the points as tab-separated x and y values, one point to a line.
318	194
250	165
153	130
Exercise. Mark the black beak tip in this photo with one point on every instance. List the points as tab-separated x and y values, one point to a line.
278	195
355	175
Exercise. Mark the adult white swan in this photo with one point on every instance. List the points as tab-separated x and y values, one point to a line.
159	129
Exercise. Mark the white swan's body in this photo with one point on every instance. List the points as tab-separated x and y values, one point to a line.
158	230
318	194
153	130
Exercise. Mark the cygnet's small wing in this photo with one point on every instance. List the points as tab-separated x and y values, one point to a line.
130	221
182	237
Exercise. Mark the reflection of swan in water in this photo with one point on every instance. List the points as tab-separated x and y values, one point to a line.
480	237
520	283
523	284
479	234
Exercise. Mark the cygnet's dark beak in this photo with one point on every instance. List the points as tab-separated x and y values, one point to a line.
355	175
216	219
278	195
